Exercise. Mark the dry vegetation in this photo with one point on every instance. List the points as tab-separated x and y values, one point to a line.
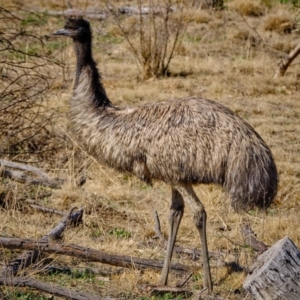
230	56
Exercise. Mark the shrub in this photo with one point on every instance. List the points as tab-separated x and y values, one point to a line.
24	80
153	34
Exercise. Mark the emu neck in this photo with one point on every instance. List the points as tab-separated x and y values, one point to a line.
88	75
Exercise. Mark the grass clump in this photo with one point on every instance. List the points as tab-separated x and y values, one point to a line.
20	295
282	22
253	8
120	233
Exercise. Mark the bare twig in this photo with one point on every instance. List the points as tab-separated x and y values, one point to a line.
182	282
231	241
157	228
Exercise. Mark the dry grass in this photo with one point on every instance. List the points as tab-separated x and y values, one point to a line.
282	22
252	8
223	57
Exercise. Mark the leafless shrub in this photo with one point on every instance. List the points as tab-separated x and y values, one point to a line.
153	34
24	79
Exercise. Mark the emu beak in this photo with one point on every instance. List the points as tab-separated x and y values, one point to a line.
62	31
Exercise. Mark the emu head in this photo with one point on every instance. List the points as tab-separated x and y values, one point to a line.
78	29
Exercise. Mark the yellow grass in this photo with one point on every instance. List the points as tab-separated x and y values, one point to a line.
252	8
223	56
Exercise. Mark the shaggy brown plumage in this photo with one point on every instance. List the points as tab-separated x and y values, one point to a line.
182	142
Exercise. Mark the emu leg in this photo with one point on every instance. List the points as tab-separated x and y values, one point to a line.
200	221
176	213
197	207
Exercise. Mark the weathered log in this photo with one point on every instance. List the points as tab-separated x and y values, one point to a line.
47	209
30	257
88	254
276	273
24	178
23	167
41	178
49	288
144	10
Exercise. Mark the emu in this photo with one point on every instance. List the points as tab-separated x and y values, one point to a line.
181	142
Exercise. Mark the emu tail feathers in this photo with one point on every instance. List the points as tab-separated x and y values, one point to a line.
251	178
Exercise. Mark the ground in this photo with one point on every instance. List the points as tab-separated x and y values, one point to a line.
228	55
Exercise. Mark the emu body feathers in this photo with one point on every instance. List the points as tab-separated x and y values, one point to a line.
187	140
182	142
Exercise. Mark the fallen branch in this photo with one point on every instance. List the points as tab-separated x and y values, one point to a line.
157	228
93	271
143	10
23	167
251	240
24	178
41	178
49	288
283	65
182	282
88	254
90	13
47	209
175	292
30	257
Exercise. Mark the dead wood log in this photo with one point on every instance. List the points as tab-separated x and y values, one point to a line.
88	254
276	273
49	288
30	257
41	178
23	167
283	65
24	178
